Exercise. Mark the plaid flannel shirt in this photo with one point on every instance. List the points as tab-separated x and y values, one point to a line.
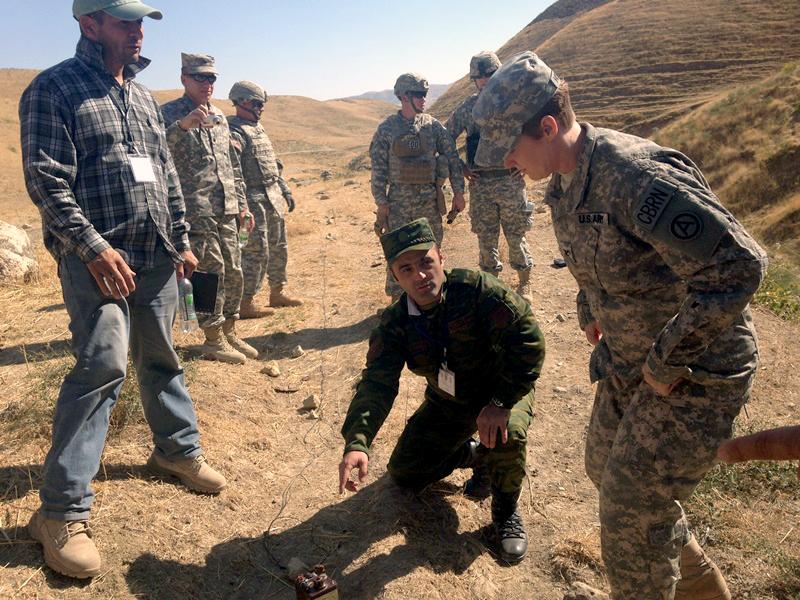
75	157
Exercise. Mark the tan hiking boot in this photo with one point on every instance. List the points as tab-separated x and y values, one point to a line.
280	300
581	591
701	579
524	285
237	343
67	545
216	347
249	310
195	473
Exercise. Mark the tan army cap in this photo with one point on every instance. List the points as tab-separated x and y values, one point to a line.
197	63
514	94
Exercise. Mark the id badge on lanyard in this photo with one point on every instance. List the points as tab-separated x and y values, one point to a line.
447	379
142	168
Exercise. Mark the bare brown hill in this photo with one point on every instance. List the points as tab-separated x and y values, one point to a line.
638	64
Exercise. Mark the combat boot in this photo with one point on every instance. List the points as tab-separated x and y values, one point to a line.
237	343
477	487
280	300
581	591
67	545
508	527
194	472
524	285
216	347
249	310
701	579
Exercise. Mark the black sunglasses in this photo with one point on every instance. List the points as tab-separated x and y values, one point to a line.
416	94
202	78
256	104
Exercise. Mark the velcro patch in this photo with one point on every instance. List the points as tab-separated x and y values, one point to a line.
652	205
593	218
681	221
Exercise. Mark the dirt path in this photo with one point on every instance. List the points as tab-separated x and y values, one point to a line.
159	541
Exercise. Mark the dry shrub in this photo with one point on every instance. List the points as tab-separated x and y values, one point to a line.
577	558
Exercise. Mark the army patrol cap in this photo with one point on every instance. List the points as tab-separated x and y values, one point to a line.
416	235
483	64
410	82
247	90
125	10
197	63
515	93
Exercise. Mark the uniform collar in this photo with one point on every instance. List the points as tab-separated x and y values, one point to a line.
91	54
580	179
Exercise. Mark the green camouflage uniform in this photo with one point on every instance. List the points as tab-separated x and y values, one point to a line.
495	199
404	154
667	273
266	252
495	349
212	184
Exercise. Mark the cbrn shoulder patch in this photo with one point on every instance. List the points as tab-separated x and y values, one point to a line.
679	220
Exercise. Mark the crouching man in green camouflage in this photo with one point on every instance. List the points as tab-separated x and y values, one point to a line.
665	275
480	349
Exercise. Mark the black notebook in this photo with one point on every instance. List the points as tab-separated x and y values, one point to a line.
204	288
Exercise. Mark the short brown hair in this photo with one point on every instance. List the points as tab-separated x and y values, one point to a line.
559	107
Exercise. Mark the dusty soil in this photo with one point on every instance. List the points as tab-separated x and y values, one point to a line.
160	541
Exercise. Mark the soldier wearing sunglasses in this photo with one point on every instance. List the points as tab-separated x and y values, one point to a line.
269	198
216	204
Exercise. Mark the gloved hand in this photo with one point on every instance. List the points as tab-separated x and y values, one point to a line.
290	201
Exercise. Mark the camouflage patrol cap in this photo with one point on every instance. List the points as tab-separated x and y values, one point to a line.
247	90
416	235
410	82
197	63
125	10
483	64
515	93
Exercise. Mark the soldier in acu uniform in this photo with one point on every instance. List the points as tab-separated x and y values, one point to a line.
665	275
496	194
404	153
211	178
480	350
269	199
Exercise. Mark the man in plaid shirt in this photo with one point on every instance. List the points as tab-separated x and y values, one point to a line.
97	166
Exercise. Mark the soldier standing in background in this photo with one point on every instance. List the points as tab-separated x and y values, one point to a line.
478	346
403	153
496	194
665	275
269	198
211	178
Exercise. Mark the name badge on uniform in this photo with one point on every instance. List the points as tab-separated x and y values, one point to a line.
593	218
447	380
142	169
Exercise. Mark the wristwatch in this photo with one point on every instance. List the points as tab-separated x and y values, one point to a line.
498	403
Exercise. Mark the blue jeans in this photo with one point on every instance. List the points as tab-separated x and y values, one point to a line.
102	331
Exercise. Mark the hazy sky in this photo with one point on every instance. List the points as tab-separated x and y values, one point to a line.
322	49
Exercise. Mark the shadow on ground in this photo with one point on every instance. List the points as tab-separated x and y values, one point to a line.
33	353
280	344
346	537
